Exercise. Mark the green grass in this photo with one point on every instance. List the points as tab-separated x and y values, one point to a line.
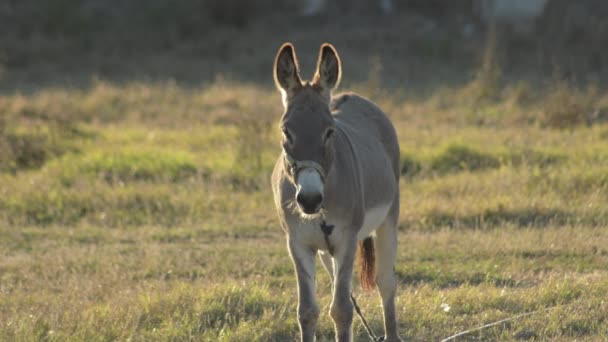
125	165
149	232
136	148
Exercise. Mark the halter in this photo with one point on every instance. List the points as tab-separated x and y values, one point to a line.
297	165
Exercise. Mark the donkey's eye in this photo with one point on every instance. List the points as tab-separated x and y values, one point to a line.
329	134
287	136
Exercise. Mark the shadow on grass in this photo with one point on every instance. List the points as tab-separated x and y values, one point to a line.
457	157
440	279
491	218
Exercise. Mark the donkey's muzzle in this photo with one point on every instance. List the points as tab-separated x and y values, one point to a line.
309	203
309	193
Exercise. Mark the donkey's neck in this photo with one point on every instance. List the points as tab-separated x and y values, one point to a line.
343	190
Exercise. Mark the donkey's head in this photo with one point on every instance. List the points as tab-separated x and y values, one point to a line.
308	126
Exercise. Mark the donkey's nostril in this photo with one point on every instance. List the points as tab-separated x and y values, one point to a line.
316	199
309	202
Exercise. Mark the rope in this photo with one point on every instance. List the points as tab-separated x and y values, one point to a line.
371	334
466	332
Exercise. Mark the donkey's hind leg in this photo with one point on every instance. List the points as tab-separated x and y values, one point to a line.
386	253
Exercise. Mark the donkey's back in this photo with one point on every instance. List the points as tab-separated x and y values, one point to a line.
369	131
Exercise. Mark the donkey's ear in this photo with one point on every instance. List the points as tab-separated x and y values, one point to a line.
286	70
329	69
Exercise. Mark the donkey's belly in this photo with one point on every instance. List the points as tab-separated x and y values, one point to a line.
374	217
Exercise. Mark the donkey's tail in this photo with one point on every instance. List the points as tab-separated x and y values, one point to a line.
367	264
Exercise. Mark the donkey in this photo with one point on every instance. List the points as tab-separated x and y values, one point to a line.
339	168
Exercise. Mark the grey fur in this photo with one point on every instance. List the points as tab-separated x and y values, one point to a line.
361	164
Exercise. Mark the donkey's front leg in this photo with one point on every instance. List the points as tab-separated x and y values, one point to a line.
303	259
341	310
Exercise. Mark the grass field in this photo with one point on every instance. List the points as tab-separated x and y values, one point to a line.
139	208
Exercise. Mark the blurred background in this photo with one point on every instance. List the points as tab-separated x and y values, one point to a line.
421	44
137	140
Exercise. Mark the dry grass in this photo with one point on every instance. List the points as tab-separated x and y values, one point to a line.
567	107
154	231
136	207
